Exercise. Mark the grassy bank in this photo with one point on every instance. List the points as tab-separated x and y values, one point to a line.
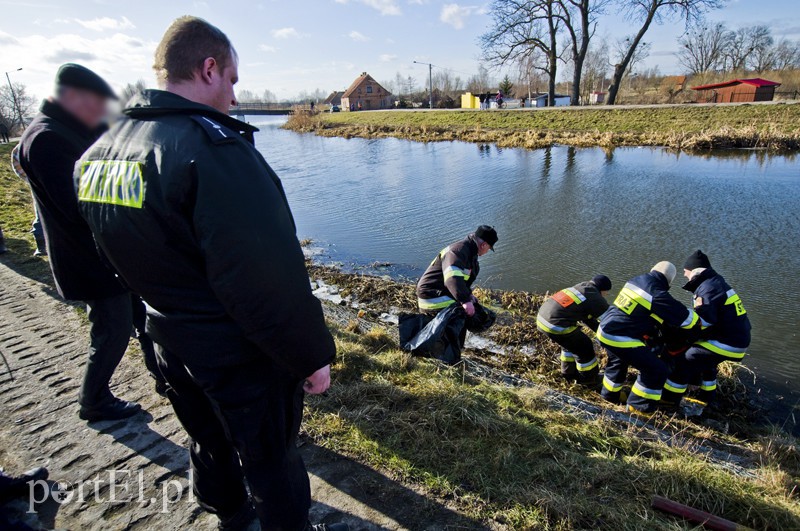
503	454
688	127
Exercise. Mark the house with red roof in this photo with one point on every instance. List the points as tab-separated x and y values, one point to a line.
366	94
736	91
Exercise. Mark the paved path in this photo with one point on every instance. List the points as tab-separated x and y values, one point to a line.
44	341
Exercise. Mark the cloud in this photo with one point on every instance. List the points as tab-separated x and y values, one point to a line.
384	7
65	55
358	36
387	57
6	39
455	15
286	33
106	23
267	48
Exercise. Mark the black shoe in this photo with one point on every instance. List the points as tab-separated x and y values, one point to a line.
38	252
328	527
114	410
17	487
245	519
3	248
161	388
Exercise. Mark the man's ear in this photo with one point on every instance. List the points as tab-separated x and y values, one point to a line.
209	70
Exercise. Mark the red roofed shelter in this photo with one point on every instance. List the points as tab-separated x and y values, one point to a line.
737	90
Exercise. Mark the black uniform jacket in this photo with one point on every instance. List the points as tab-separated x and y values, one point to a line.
450	275
49	148
196	222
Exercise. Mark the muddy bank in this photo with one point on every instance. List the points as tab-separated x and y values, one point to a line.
524	352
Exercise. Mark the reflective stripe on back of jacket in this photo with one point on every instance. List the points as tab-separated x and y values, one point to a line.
561	313
642	307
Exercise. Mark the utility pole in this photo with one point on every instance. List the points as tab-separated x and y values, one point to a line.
14	97
430	81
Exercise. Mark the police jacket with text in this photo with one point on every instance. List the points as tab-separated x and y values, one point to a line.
561	313
451	274
196	222
48	150
642	309
724	321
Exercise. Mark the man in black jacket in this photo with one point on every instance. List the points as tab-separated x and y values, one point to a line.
64	128
194	219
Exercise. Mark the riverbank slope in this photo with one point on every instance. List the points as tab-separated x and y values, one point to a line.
775	127
495	442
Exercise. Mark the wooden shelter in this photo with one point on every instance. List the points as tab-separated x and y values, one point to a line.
736	91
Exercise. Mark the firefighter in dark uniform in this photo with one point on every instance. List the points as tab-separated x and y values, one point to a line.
631	331
724	335
450	276
195	220
559	318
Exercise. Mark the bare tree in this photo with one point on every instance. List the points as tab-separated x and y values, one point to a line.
579	18
737	50
522	29
595	68
702	48
761	57
16	105
786	55
644	13
481	82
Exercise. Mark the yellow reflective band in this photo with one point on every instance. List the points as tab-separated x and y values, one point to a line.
675	388
113	182
709	385
657	318
734	299
454	271
644	392
723	349
574	294
567	356
435	304
618	341
611	386
583	367
690	321
550	328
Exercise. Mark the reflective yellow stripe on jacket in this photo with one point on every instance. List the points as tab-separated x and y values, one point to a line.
618	341
435	304
545	326
722	349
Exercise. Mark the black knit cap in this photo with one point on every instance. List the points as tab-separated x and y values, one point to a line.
77	76
487	234
695	260
602	282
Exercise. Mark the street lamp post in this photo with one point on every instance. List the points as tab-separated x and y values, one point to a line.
430	81
14	96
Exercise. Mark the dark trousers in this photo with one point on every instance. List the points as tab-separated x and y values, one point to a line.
110	332
243	422
139	314
577	355
646	391
697	366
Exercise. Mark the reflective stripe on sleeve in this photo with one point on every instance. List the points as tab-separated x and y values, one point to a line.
435	304
708	385
651	394
618	341
546	326
722	349
690	321
454	271
574	294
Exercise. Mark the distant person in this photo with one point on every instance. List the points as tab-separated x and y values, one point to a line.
482	99
359	106
203	231
559	318
4	132
632	332
352	107
449	278
65	127
3	248
36	226
312	106
725	333
522	102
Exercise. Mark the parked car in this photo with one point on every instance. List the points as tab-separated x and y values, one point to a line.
335	108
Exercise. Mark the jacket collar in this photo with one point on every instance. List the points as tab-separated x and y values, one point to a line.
152	103
661	279
53	110
473	244
698	279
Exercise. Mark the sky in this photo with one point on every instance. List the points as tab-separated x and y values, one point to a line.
291	46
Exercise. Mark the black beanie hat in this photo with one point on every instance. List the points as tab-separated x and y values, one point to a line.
695	260
487	234
602	282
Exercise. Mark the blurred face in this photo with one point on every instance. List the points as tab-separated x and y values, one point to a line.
220	85
88	107
688	274
483	248
604	293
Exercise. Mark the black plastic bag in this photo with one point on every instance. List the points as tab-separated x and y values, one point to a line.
441	338
481	321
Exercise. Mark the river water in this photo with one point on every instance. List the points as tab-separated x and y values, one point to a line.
563	214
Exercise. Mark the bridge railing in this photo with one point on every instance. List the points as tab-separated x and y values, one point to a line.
244	107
